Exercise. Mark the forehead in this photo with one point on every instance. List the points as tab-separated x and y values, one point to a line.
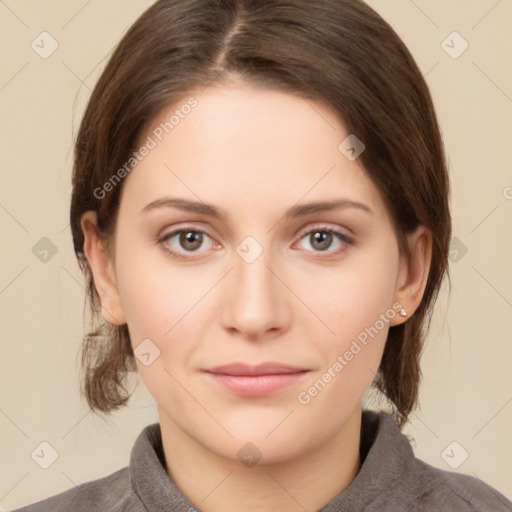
247	146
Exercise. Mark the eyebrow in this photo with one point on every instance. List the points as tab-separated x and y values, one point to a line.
294	212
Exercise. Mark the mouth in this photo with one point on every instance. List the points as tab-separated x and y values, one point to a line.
256	380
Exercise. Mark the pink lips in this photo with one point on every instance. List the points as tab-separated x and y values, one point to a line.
256	380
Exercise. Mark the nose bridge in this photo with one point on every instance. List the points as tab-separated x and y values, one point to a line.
252	267
254	303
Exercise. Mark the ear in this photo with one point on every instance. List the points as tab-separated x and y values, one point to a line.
413	274
102	270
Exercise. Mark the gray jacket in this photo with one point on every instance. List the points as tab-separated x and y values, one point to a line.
391	479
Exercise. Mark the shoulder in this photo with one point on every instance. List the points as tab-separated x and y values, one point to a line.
118	491
393	478
439	489
112	493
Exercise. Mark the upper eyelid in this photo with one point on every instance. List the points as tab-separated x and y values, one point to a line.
186	227
323	226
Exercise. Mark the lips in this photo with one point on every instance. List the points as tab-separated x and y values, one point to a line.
255	380
243	369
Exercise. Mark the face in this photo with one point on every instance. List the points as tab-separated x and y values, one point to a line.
263	281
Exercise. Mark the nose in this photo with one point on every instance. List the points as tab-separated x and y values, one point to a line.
256	300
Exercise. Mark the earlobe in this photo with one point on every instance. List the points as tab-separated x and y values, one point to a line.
413	274
102	270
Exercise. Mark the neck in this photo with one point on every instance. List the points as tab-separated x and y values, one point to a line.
307	481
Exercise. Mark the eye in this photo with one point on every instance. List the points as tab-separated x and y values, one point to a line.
322	237
181	243
188	239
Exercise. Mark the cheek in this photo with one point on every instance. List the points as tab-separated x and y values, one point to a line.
160	304
355	306
352	296
156	293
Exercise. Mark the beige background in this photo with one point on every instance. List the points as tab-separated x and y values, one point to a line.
467	391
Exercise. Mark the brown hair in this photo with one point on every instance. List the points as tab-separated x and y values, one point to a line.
339	52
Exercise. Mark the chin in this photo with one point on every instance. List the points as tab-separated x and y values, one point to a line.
255	446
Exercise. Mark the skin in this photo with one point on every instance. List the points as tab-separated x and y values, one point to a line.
254	153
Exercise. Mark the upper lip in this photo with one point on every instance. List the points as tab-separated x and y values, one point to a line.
269	368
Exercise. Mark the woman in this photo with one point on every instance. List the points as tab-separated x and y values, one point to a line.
260	208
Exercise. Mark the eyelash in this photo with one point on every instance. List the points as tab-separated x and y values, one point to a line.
347	241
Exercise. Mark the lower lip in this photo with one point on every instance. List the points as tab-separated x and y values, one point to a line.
257	385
